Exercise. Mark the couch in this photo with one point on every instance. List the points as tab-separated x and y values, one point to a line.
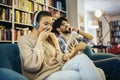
10	64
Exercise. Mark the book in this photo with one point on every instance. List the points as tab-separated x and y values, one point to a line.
1	12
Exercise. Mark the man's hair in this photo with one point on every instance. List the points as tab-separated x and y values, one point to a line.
42	14
57	23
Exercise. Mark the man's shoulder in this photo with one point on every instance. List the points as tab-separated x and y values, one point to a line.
61	38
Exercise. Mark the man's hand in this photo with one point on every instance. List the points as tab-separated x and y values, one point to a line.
74	49
74	29
80	46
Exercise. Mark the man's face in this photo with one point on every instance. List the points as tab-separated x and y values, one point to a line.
45	23
64	28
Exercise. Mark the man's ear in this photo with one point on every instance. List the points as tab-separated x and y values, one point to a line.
58	29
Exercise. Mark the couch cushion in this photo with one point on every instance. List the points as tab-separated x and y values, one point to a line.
12	53
8	74
4	62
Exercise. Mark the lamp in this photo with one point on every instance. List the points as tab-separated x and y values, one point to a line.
100	13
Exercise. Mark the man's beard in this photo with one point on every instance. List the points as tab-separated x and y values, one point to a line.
67	31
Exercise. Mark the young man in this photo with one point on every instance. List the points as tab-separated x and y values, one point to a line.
111	66
62	29
42	58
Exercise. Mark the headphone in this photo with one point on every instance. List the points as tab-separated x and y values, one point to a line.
35	23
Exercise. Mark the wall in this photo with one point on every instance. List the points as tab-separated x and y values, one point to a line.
89	28
75	8
72	12
112	18
81	12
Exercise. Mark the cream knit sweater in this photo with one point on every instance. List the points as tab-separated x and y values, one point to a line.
38	61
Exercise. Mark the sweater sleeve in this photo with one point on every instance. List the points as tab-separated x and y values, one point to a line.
32	57
60	56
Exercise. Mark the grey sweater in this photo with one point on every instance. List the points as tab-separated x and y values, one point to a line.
38	61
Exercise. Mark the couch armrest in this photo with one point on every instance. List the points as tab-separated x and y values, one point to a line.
97	56
8	74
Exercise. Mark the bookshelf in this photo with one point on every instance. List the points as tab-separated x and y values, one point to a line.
16	16
115	32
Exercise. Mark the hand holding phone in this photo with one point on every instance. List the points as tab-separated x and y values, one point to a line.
72	37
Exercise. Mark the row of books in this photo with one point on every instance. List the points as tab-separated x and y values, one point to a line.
55	3
115	33
115	28
40	1
7	2
23	17
6	33
20	31
24	4
115	40
115	23
6	14
39	7
54	13
20	16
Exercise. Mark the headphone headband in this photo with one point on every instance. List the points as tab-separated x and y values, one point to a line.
35	23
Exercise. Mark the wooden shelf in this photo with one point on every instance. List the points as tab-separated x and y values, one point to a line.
24	10
4	41
5	21
57	9
4	5
23	24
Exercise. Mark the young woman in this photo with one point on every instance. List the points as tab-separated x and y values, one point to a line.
42	58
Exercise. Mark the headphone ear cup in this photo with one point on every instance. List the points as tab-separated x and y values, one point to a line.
35	24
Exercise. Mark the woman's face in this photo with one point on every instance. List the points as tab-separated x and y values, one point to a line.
45	23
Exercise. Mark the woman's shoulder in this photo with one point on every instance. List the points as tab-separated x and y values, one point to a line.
25	38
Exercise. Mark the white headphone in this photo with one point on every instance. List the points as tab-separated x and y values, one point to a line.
35	23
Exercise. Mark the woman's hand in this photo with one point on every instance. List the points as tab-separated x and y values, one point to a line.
54	40
44	35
